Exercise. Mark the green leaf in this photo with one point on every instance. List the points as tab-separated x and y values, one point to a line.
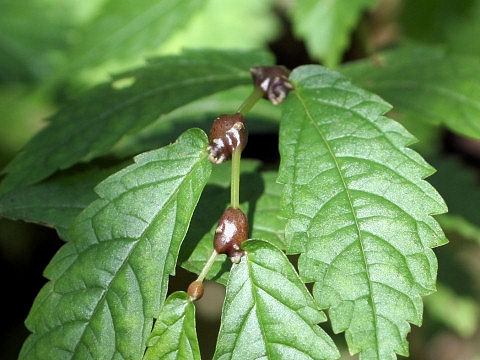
358	211
425	84
110	281
124	29
268	312
465	315
174	335
217	26
325	25
454	24
57	201
91	125
22	108
263	118
458	184
260	201
30	32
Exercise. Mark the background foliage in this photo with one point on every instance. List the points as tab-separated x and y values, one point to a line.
421	56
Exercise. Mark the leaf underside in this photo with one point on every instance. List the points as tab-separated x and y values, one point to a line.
268	312
358	211
425	84
109	282
174	335
92	124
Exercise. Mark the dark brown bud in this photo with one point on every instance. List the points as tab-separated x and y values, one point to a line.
231	232
273	80
195	290
228	132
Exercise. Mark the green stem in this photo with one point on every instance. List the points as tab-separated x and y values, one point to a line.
235	179
246	106
249	102
207	266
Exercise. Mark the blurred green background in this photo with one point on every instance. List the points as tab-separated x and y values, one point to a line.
52	50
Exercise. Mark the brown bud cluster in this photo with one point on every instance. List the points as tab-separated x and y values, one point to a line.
228	133
231	232
195	290
273	80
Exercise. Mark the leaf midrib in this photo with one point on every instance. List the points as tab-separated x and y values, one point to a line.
353	211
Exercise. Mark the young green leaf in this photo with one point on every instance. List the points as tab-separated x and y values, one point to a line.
268	312
358	211
259	200
125	29
109	282
325	25
174	335
425	84
91	125
57	201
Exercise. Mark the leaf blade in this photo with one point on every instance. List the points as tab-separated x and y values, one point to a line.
101	305
55	202
265	308
91	125
351	187
425	84
122	30
260	201
326	25
174	331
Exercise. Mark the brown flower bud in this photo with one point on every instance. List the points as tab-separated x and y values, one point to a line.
228	132
273	80
195	290
231	232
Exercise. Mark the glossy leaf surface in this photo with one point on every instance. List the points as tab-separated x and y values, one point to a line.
174	335
358	211
109	282
268	312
